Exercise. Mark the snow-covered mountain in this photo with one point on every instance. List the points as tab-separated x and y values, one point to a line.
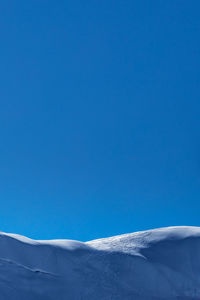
150	265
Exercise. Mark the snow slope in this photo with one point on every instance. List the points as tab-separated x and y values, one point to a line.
150	265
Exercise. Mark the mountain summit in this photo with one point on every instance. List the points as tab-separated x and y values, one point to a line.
150	265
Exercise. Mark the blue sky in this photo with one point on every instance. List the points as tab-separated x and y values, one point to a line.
99	117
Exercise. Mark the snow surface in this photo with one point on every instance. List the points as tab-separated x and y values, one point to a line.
150	265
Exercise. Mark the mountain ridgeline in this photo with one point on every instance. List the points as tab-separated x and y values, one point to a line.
150	265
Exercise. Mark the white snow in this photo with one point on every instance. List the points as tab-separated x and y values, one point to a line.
150	265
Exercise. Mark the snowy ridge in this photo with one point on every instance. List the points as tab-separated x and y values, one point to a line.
150	265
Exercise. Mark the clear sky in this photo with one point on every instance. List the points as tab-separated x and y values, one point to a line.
99	116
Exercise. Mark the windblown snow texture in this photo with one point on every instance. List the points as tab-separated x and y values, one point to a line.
150	265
